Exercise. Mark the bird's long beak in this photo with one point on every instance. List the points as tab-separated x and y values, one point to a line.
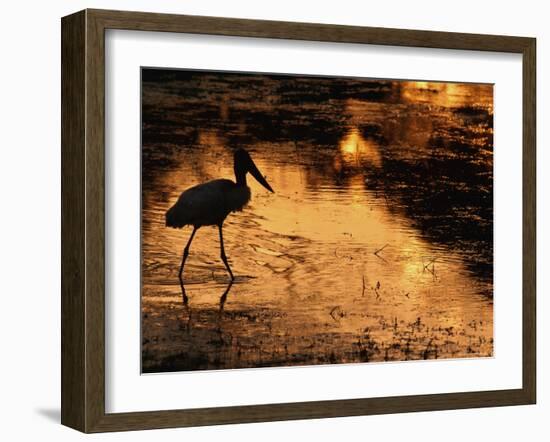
255	172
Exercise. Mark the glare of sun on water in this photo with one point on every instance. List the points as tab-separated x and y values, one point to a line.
355	147
443	94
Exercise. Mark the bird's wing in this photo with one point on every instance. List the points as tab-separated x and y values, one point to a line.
200	205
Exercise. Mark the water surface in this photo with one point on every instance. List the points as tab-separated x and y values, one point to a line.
375	246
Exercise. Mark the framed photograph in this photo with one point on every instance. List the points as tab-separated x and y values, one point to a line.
268	221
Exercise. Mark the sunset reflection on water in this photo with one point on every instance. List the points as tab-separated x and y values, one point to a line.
356	257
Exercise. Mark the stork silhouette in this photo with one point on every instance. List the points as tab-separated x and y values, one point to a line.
209	204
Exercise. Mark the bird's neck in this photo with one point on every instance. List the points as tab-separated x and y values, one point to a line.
240	177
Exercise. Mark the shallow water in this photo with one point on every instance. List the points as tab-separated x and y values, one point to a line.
376	245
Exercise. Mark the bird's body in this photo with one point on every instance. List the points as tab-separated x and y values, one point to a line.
209	204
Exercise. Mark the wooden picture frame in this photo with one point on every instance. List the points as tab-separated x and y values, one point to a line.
83	220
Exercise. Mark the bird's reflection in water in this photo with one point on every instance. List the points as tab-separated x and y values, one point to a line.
223	297
189	310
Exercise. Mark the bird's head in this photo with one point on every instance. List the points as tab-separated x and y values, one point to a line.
243	163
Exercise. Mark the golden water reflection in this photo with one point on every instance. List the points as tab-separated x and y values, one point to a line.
445	94
355	149
309	285
328	269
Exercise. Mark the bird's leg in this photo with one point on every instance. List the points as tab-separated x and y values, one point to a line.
224	258
185	255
